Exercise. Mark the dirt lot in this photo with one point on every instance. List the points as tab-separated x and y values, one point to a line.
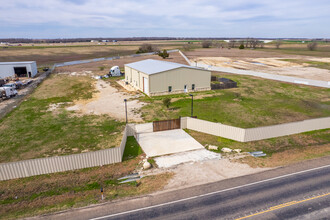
108	100
261	61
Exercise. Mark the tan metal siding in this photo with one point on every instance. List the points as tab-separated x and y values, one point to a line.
135	78
177	78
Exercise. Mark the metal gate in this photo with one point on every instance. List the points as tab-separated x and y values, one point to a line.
166	125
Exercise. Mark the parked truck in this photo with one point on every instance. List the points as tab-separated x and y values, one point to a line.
115	71
7	92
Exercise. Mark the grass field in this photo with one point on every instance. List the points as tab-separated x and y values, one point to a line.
280	151
33	130
54	192
256	102
317	64
322	50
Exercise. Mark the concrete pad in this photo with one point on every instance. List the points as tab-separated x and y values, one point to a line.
167	142
144	128
185	157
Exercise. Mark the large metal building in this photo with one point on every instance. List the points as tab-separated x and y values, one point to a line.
20	69
155	77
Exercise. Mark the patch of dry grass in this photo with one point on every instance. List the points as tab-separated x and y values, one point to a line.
280	151
55	192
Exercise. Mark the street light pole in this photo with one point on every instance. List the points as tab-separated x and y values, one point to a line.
192	104
125	100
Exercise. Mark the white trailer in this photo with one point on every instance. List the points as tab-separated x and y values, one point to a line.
7	92
115	71
20	69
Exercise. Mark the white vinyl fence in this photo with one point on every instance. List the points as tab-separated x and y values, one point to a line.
47	165
254	134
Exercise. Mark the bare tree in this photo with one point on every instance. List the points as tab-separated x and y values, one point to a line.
187	47
231	43
262	44
247	42
312	45
254	42
206	44
146	48
217	44
278	44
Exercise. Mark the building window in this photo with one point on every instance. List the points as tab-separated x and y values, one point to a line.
170	89
193	86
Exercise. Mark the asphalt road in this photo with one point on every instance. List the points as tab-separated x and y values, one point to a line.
293	196
299	191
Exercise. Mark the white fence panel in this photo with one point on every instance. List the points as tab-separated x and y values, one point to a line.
253	134
47	165
216	129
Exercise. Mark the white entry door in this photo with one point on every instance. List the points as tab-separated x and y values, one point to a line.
145	85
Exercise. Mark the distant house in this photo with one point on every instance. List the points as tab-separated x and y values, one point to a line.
20	69
155	77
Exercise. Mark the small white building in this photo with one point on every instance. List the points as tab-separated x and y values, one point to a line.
20	69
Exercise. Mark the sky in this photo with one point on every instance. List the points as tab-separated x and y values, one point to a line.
164	18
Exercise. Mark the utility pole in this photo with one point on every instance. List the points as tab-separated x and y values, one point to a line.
192	104
125	100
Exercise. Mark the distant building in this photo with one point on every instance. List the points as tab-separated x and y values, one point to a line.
155	77
21	69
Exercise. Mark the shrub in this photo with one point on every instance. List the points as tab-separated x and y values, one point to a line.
187	47
167	102
147	48
206	44
101	68
312	45
241	46
163	54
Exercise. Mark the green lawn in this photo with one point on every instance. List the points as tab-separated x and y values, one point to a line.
280	151
132	149
33	131
256	102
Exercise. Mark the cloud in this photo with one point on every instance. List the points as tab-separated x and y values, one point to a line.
167	17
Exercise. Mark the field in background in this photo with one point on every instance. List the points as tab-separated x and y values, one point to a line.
48	54
256	102
41	127
293	48
103	67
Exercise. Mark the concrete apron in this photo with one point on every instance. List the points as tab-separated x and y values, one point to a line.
165	142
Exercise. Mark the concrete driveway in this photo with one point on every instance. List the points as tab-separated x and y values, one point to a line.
167	142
